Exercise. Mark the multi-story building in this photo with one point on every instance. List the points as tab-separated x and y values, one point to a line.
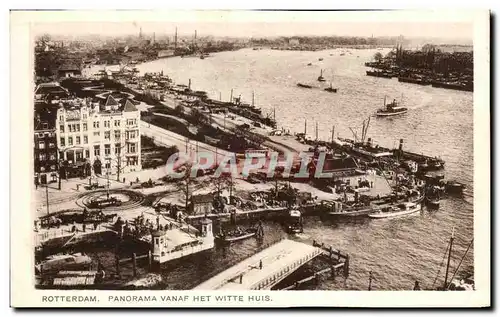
98	137
45	140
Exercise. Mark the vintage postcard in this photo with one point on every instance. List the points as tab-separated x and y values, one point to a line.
250	159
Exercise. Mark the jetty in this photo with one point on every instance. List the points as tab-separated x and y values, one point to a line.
267	268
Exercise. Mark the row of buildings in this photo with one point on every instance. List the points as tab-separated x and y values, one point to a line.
82	137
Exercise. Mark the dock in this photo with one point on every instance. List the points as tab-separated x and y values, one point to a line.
265	269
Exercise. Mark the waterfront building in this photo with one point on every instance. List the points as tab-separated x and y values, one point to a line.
201	204
99	138
44	147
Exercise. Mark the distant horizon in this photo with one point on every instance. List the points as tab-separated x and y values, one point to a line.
446	25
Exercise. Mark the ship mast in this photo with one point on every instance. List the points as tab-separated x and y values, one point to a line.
449	259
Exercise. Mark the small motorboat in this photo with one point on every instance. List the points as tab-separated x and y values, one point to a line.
320	59
396	211
310	64
454	188
236	235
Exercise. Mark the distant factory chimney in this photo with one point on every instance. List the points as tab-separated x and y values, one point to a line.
175	38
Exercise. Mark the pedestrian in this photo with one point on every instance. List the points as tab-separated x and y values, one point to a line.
416	287
241	279
260	264
84	226
124	180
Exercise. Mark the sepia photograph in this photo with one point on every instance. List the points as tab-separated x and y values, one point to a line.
319	151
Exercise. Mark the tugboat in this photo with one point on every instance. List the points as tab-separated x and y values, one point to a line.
304	85
320	77
395	211
391	109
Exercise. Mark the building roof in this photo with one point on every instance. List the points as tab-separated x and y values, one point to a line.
129	106
69	67
111	101
201	199
53	88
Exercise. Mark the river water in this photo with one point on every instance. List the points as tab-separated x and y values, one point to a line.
439	122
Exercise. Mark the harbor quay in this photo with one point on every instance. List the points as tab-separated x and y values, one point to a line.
141	182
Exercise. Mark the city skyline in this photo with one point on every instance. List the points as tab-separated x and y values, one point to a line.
266	24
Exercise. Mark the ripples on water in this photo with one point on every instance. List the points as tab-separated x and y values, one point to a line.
440	123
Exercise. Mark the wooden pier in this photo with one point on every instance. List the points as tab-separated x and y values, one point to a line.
267	268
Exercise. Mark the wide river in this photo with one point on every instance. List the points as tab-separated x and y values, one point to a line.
439	123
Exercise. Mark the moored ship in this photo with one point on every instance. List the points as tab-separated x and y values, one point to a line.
396	211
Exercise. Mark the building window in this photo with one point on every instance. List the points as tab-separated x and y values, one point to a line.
70	140
79	155
42	156
77	140
41	145
78	127
42	169
87	154
45	126
96	124
51	144
117	123
97	151
108	164
107	149
85	139
52	167
70	128
62	142
117	134
106	124
52	157
96	133
61	118
61	128
84	127
130	135
85	117
117	148
131	148
107	135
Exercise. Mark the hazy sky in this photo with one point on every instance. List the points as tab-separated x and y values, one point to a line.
257	24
